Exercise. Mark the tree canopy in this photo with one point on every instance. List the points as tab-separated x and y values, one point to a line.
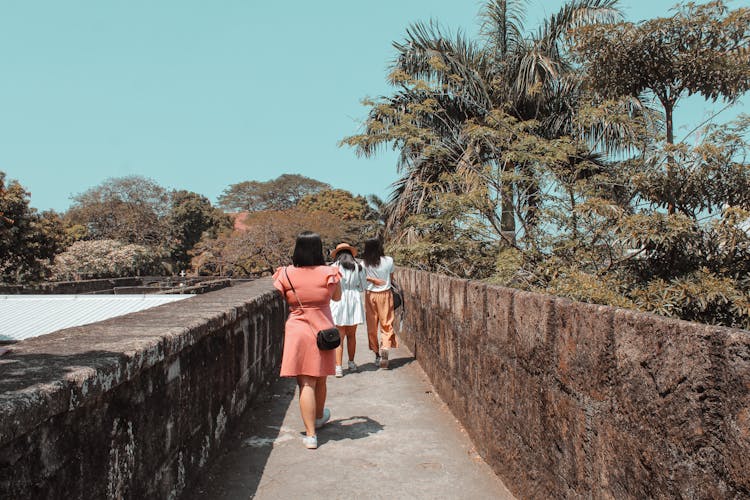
281	193
28	240
531	168
130	209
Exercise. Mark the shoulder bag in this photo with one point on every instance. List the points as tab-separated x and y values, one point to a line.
327	339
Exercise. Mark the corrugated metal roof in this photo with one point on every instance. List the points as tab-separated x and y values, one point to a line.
26	316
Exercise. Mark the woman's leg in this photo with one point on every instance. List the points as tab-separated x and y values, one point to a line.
350	332
371	317
340	348
386	315
307	401
320	397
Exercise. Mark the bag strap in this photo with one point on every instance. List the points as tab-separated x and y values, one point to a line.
298	301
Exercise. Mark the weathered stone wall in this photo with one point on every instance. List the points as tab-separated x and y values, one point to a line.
566	399
133	407
70	287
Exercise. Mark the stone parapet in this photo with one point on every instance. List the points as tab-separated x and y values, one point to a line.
135	406
566	399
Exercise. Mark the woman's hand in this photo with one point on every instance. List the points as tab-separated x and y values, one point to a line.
376	281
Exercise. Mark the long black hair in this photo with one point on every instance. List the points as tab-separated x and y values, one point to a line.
347	260
308	250
373	252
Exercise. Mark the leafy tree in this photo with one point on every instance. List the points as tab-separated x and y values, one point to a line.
281	193
358	220
458	100
337	202
130	209
27	240
105	259
701	49
191	215
578	174
266	243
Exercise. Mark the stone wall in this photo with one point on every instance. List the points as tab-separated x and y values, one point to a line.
70	287
566	399
135	406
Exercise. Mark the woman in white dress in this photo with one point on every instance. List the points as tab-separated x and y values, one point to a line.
350	310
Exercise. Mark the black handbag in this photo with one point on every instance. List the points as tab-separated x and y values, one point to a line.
327	339
398	296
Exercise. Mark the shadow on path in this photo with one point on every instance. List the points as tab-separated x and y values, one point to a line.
248	446
349	428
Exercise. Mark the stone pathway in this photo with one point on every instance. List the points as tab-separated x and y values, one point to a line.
390	436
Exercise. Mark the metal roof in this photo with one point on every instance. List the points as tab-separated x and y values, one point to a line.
26	316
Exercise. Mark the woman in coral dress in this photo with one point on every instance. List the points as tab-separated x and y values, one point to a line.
313	284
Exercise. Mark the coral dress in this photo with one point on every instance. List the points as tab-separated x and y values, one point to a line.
314	286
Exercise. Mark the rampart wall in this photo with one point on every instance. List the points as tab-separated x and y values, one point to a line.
566	399
135	406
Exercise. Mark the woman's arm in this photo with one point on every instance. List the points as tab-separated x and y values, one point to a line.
375	281
336	296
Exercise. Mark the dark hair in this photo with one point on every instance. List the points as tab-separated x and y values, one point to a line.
346	259
308	250
373	252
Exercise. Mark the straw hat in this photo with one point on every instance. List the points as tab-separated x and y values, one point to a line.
343	246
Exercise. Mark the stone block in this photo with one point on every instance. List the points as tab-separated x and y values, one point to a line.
457	304
584	347
731	404
662	369
532	326
499	317
476	304
444	293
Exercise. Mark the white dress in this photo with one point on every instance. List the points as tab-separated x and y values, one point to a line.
350	310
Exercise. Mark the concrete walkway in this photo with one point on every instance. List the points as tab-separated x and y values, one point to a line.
390	436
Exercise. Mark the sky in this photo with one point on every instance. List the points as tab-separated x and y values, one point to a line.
199	94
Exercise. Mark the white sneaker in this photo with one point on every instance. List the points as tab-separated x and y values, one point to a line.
320	422
383	357
377	361
339	372
353	366
310	442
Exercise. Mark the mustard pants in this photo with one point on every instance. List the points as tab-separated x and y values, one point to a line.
379	311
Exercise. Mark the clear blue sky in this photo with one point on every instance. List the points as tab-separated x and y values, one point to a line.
199	95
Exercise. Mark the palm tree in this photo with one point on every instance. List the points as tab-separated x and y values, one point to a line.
450	88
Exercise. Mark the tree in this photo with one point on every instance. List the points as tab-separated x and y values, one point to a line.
337	202
105	259
27	240
455	101
129	209
701	49
266	243
281	193
190	216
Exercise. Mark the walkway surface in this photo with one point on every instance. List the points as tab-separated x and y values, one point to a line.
390	436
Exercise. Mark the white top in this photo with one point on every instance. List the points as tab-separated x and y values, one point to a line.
382	271
350	310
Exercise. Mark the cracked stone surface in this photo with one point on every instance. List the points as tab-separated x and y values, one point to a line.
390	436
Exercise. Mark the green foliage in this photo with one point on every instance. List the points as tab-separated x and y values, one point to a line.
190	216
266	242
129	209
701	49
519	167
28	240
281	193
105	259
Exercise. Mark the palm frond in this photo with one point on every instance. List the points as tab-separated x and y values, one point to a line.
502	25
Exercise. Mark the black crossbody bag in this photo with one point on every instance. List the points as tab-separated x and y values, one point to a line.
327	339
